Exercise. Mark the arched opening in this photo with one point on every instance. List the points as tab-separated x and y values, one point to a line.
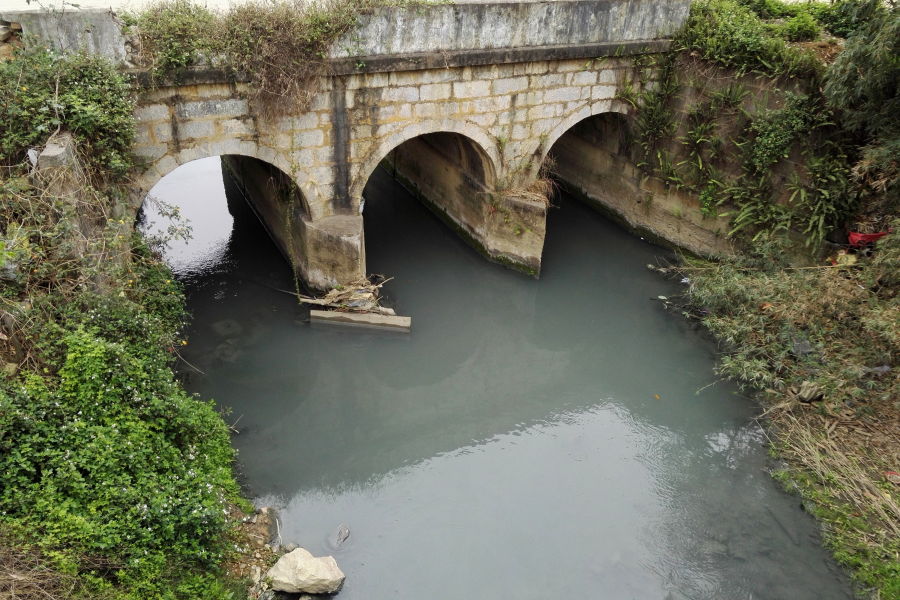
212	197
447	171
598	164
325	252
591	159
456	178
198	212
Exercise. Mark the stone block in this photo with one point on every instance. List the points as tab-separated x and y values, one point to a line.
308	120
537	68
548	81
309	139
151	152
583	78
567	66
196	129
367	80
209	108
492	104
361	132
142	134
401	94
607	76
485	72
603	92
472	89
322	175
521	132
237	127
324	155
543	111
434	76
435	91
156	112
565	94
162	132
483	120
511	85
426	111
166	165
305	158
529	98
543	126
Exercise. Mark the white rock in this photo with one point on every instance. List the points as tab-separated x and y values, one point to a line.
299	571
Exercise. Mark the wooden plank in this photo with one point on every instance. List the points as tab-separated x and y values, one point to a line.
367	320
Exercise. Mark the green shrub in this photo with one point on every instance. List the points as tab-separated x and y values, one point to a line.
43	91
800	28
174	34
864	85
734	36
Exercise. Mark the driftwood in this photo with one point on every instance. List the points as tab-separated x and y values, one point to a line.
360	296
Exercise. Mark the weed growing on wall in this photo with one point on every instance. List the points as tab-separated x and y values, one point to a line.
279	46
42	92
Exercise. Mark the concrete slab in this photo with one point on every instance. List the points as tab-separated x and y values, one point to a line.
363	321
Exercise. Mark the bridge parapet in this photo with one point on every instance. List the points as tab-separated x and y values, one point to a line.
506	79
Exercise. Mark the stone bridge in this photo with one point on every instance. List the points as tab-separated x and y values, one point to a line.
462	101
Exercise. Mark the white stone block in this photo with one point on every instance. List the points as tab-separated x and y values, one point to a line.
607	76
435	91
162	132
156	112
196	130
151	152
472	89
400	94
492	104
508	86
309	139
521	131
237	127
584	78
548	81
565	94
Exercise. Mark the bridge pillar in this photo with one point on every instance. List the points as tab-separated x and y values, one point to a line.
327	252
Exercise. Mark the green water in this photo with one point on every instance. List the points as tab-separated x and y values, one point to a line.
512	446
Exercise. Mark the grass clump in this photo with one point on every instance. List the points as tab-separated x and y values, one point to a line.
280	47
114	483
733	35
822	342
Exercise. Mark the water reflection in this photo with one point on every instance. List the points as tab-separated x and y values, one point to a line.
512	445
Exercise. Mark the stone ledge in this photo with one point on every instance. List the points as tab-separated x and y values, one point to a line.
423	61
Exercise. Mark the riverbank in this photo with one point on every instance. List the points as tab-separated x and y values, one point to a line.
822	344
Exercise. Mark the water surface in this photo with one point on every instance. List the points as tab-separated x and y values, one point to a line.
513	445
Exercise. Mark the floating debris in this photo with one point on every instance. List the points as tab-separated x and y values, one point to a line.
360	296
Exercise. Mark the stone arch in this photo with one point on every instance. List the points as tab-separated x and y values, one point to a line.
483	142
597	108
168	163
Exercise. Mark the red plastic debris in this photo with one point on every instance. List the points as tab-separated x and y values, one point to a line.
858	239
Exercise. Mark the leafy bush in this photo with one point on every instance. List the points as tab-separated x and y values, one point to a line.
800	28
733	35
174	34
44	91
864	84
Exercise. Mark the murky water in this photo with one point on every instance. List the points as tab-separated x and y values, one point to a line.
512	446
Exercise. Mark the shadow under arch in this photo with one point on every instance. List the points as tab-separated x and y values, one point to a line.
240	150
482	142
606	109
272	194
456	176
